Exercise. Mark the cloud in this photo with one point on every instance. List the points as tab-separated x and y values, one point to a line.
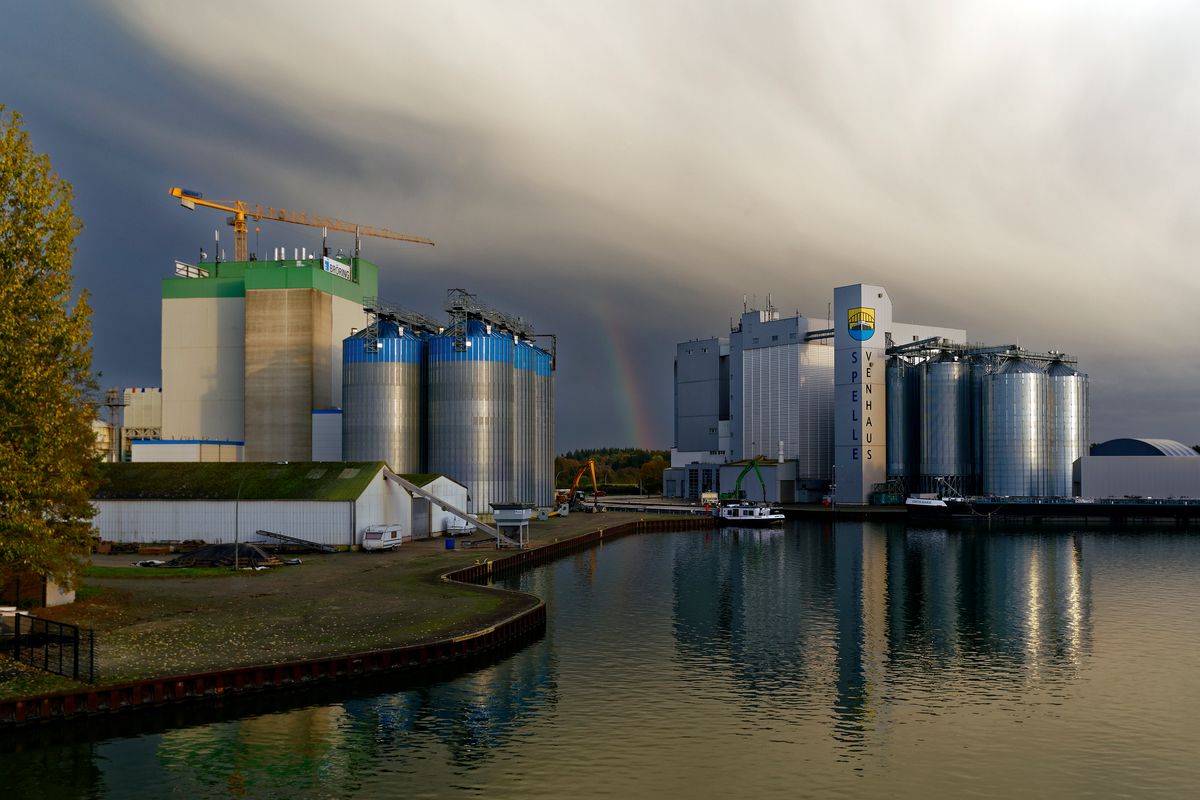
1015	168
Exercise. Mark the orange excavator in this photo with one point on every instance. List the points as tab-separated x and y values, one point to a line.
572	499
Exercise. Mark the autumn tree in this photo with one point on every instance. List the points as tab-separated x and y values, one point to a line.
48	464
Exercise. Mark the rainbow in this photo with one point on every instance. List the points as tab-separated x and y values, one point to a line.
634	413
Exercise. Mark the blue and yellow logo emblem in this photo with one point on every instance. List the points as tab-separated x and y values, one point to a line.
861	323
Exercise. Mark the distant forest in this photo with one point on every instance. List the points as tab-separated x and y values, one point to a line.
620	470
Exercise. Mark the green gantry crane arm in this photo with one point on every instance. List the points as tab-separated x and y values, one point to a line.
736	494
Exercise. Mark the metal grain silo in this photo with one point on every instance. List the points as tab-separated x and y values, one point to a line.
470	412
381	396
982	365
524	422
1015	430
543	428
946	424
1067	426
903	421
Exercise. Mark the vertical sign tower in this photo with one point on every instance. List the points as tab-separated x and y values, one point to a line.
861	315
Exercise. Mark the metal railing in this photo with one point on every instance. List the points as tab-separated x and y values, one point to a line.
57	647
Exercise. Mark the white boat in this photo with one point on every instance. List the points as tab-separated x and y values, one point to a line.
749	514
934	507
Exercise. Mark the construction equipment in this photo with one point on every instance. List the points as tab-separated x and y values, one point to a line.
736	494
573	500
243	211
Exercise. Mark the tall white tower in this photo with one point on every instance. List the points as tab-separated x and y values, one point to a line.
861	315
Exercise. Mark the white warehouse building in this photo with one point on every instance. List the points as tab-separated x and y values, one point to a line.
330	503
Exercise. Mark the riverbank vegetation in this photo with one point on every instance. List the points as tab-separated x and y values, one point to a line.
620	470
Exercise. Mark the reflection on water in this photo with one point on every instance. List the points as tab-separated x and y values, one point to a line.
852	659
856	613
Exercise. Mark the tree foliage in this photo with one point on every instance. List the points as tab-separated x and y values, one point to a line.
616	466
48	464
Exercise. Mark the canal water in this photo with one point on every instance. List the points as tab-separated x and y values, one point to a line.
854	660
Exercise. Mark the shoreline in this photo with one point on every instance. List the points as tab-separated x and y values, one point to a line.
216	685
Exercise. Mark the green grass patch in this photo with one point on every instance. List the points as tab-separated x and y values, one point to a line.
95	571
88	592
18	680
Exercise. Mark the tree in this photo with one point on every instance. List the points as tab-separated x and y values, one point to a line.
48	463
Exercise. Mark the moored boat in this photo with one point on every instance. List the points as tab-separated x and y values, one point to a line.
744	513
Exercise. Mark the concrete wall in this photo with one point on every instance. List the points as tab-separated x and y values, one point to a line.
345	316
700	393
187	451
203	368
779	478
293	344
283	331
1139	476
327	435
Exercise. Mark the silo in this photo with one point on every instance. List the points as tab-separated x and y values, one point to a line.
981	366
946	425
470	413
903	421
524	422
1015	430
543	428
1067	425
381	396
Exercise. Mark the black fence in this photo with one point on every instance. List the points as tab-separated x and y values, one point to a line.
57	647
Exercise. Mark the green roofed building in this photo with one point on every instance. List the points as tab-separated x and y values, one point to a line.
332	503
250	349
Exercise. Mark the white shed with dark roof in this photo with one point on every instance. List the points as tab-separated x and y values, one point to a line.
1153	468
331	503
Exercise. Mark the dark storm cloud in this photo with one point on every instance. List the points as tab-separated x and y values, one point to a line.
1018	169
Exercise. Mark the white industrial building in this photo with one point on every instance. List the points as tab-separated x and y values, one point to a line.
251	349
1143	468
794	393
322	502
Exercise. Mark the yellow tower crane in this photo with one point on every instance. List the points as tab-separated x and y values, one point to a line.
243	211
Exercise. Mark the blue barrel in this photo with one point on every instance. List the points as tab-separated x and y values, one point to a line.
449	542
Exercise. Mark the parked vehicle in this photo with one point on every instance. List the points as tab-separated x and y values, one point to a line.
384	537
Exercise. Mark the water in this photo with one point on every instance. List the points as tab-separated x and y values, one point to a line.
850	660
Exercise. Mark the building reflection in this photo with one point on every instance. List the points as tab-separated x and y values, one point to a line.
854	614
328	748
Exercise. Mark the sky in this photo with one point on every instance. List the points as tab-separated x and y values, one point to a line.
621	173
